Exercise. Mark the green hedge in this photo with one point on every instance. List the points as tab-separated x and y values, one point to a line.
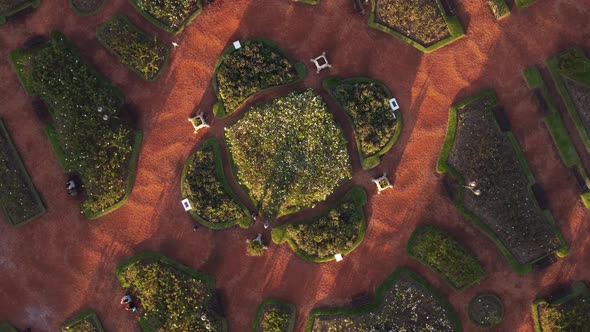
82	12
310	2
7	327
499	8
524	3
256	326
453	24
174	4
578	289
15	9
88	316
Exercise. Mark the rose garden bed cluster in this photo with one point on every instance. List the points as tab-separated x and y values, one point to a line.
274	316
339	231
86	321
142	53
169	15
204	184
86	132
366	102
173	297
19	199
257	65
404	302
436	249
11	7
289	152
496	183
566	313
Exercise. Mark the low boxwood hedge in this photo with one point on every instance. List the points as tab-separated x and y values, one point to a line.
7	327
86	321
86	7
274	316
11	7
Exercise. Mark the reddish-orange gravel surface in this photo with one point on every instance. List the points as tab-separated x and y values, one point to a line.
52	268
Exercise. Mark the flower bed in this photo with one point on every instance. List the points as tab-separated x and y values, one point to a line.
204	184
274	316
569	313
259	64
169	15
366	102
477	151
86	7
436	249
421	23
86	321
142	53
404	302
339	231
11	7
174	297
86	133
18	197
486	310
289	152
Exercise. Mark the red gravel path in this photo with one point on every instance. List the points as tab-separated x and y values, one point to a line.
60	264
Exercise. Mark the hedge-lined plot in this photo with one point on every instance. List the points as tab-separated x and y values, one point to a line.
476	150
366	102
174	297
569	313
204	184
86	321
485	310
86	133
86	7
142	53
259	64
11	7
439	251
557	128
274	316
19	199
404	302
420	23
169	15
290	153
339	231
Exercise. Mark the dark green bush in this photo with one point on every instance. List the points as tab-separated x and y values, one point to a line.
274	316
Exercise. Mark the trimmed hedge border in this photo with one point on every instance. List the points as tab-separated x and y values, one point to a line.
227	188
502	8
273	302
374	159
310	2
380	294
7	327
86	314
356	194
144	34
84	13
444	167
470	304
119	270
219	108
26	177
524	3
578	288
453	24
559	133
23	6
163	26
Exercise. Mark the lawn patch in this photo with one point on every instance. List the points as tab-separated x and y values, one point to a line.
19	199
404	300
366	102
11	7
499	8
569	313
486	310
496	183
439	251
174	297
142	53
86	321
86	132
257	65
86	7
169	15
274	316
290	153
339	231
420	23
214	203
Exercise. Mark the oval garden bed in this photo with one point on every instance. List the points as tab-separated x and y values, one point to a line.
486	310
274	316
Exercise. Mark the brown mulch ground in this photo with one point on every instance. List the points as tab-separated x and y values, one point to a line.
61	263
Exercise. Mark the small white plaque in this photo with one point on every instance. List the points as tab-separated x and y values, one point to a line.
393	104
338	257
186	204
237	45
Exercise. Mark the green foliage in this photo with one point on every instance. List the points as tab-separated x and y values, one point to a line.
289	152
446	256
18	198
499	8
144	54
570	313
255	248
11	7
173	299
274	316
204	185
6	327
79	101
256	66
83	322
275	320
524	3
86	7
574	64
486	310
170	15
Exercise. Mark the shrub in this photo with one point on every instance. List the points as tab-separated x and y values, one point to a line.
499	8
255	248
274	316
144	54
86	321
11	7
170	15
7	327
86	131
289	152
446	256
570	313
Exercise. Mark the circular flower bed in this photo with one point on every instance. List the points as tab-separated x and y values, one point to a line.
486	310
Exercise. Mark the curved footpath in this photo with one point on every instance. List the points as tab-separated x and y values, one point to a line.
60	264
